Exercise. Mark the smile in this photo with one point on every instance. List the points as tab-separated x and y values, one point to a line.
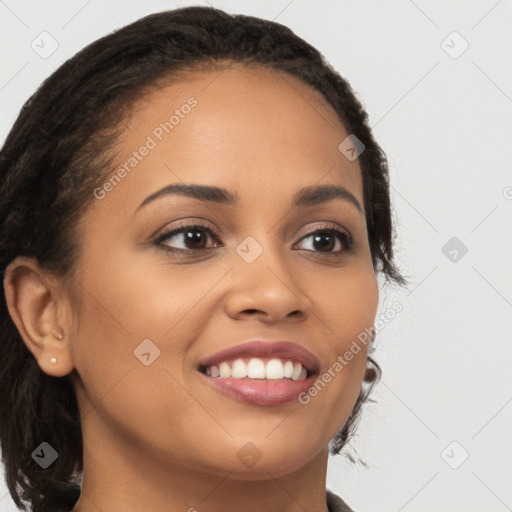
258	368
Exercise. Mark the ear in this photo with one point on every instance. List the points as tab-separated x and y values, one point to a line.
37	305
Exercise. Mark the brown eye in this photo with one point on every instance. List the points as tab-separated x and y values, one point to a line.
325	240
192	238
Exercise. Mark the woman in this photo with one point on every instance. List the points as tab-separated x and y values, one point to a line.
194	214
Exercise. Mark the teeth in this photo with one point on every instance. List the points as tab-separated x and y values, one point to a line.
288	369
274	369
256	369
224	370
239	370
297	370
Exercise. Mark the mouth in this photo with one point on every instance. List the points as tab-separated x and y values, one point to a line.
252	368
261	373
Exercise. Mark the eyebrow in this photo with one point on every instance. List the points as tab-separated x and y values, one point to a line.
308	196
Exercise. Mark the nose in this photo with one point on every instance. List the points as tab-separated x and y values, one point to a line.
268	288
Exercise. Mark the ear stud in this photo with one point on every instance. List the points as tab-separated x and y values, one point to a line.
59	334
53	360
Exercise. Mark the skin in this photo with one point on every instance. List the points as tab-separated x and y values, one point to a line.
156	437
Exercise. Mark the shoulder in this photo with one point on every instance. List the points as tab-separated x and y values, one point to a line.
336	504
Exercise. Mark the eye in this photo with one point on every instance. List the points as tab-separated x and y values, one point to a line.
324	240
192	236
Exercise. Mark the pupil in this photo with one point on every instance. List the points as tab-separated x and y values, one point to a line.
323	244
193	238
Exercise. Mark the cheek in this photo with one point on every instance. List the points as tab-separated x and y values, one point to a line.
347	309
347	305
355	319
122	305
129	396
143	296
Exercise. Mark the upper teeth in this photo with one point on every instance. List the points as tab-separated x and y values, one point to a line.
257	369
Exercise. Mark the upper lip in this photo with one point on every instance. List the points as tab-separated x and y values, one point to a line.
261	348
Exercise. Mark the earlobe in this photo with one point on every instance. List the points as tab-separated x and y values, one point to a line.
31	301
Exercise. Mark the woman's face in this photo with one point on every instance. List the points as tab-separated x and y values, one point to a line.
148	316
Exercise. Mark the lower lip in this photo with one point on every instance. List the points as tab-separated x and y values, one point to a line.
261	392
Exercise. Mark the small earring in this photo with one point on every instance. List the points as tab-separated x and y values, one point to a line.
53	360
59	334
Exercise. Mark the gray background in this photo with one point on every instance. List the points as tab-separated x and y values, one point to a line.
444	119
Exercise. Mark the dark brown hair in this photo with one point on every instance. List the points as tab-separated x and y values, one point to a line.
61	148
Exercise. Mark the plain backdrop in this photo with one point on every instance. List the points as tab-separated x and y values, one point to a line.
436	80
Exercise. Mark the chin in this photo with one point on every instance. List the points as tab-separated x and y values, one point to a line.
258	463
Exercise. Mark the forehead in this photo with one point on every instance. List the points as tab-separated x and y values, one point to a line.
252	129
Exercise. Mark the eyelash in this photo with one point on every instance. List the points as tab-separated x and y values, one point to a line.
343	236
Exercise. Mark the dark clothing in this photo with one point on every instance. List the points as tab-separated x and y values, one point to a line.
336	504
